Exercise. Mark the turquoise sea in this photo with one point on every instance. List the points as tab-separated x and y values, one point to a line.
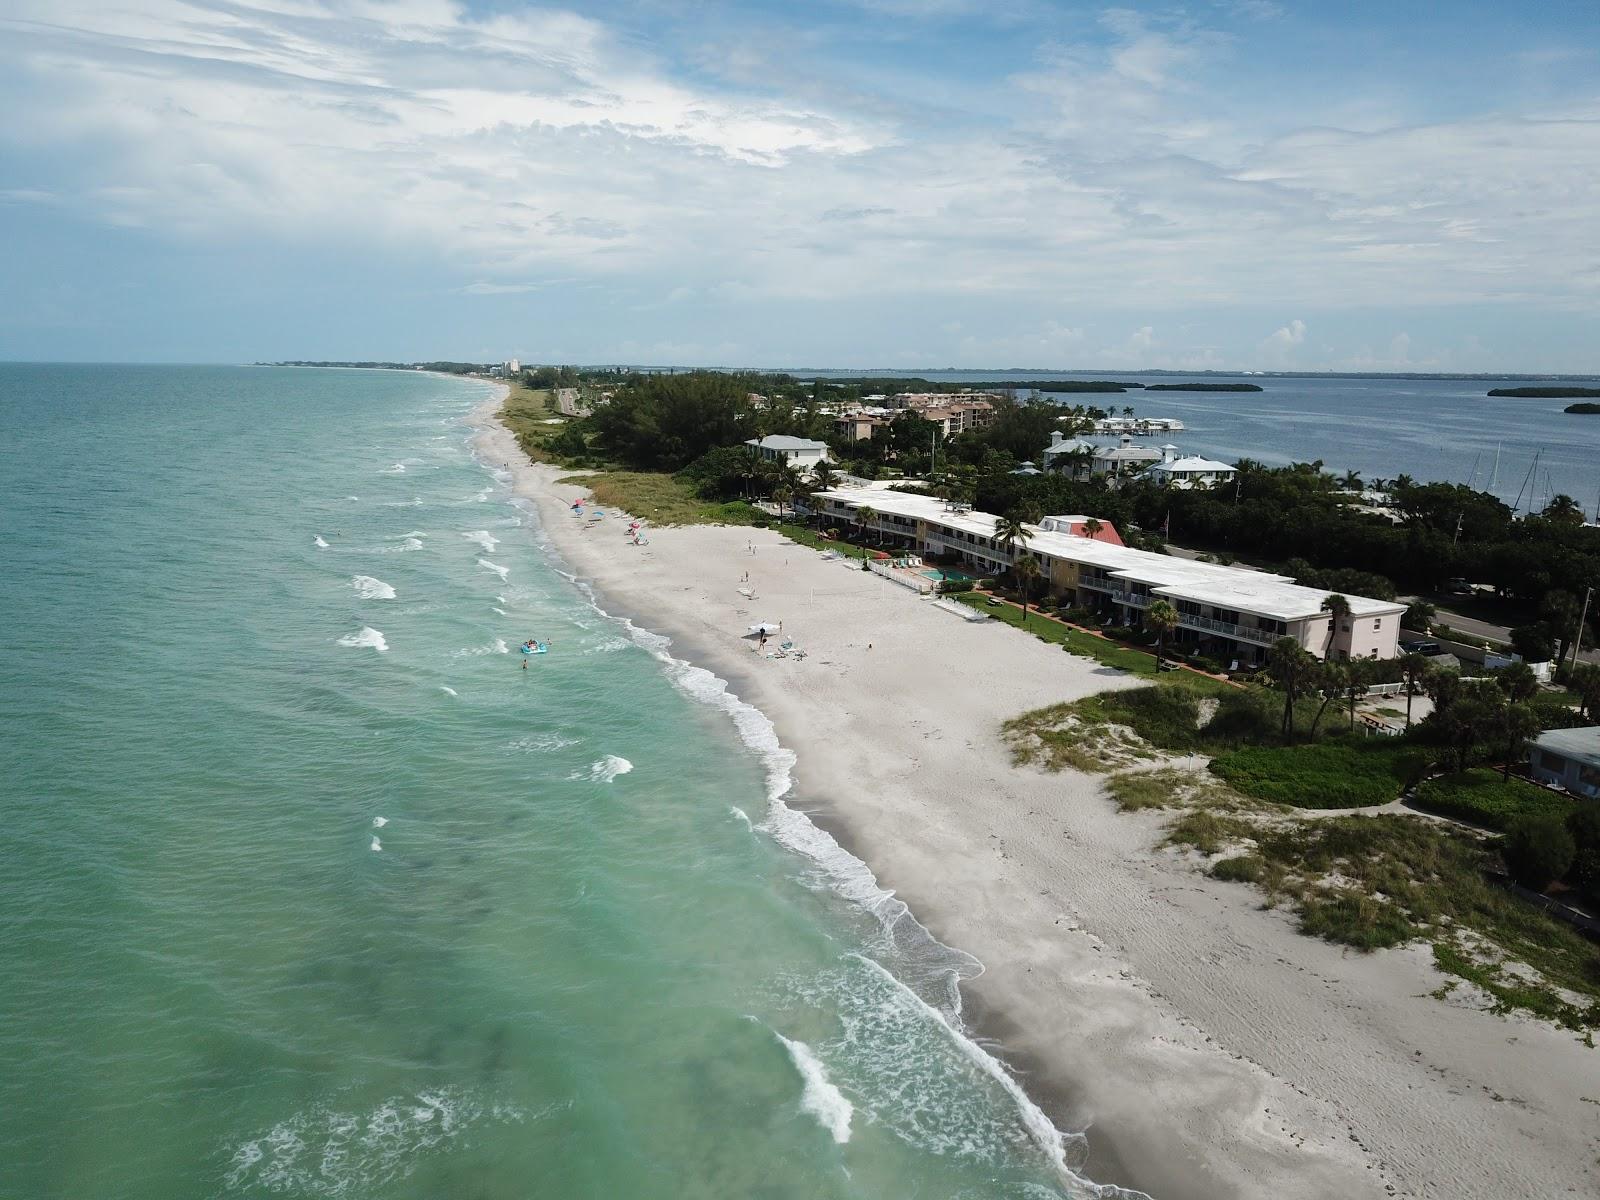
309	889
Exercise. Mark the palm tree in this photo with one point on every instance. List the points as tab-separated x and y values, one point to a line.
1092	528
1413	669
1338	609
1357	674
865	514
1012	531
1350	481
1292	668
1520	685
782	494
824	474
1161	619
1563	510
1521	723
1027	569
1330	678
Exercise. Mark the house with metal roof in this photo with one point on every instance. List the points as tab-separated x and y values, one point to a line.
1191	471
1568	758
798	452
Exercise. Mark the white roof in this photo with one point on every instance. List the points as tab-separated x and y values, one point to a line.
1193	463
1573	743
782	441
1255	592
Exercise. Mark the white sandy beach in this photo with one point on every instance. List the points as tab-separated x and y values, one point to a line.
1210	1049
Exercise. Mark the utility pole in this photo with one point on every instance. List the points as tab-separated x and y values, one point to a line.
1577	638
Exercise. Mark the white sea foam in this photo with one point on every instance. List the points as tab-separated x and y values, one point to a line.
376	845
500	611
379	822
498	646
604	770
495	567
368	637
369	588
542	744
327	1151
484	538
319	543
412	533
819	1096
448	690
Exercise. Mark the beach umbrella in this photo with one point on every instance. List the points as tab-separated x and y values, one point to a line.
767	627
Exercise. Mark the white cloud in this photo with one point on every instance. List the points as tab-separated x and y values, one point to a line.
514	147
1291	334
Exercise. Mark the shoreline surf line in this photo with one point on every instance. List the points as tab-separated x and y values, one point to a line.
795	829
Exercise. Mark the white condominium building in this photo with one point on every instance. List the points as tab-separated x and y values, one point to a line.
1224	612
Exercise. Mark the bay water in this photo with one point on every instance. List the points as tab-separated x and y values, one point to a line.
1522	449
309	888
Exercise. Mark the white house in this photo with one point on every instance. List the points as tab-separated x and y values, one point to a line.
797	452
1568	758
1123	459
1189	472
1066	454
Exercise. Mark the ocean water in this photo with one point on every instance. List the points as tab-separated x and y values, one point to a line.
1445	430
309	889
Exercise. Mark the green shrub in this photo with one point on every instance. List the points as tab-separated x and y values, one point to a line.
1537	850
1484	798
1166	717
1585	874
1337	773
1243	868
949	587
1583	823
1356	919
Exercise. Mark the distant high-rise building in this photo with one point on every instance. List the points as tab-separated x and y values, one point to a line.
512	366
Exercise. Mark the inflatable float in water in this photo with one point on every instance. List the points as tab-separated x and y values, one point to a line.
536	648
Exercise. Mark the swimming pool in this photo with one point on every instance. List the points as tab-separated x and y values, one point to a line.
936	574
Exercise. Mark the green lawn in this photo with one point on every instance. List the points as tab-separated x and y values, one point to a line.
1343	772
1113	654
807	536
1482	797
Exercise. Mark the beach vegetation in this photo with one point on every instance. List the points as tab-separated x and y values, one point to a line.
1339	772
662	499
1538	849
1483	797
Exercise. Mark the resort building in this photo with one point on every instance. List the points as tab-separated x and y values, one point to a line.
1227	613
1123	459
859	426
1189	472
800	453
958	418
1568	758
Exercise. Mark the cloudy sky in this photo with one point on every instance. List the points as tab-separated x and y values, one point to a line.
1368	184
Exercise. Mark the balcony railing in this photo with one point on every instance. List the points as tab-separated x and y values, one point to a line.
1246	633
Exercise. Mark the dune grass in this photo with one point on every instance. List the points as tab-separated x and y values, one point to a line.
526	412
661	499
